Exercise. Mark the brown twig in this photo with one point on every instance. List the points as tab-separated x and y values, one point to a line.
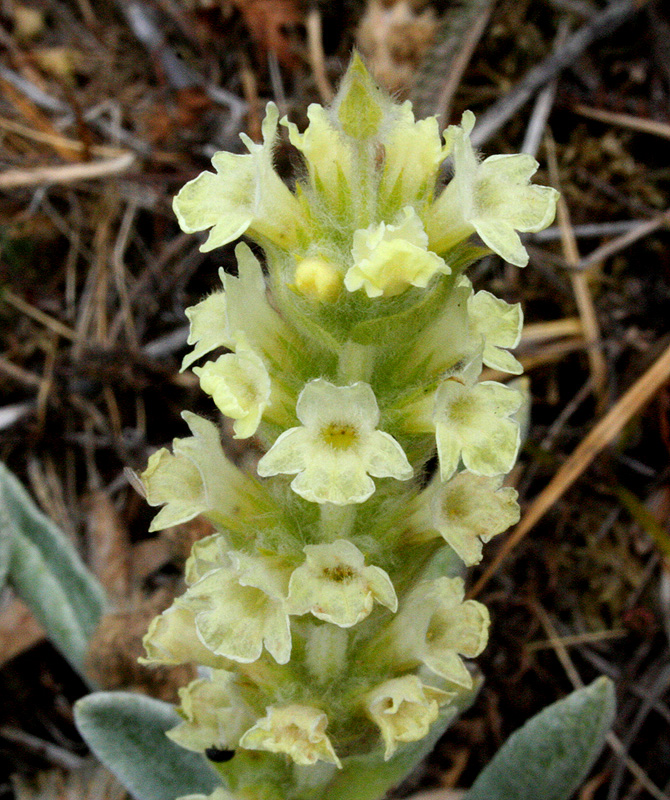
580	286
316	56
652	126
66	173
35	313
459	64
616	245
600	25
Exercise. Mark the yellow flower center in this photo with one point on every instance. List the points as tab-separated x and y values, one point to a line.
339	435
339	574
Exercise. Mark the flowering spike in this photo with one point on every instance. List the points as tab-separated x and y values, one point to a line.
332	631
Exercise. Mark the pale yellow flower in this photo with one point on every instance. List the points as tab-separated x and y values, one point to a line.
335	585
318	279
473	423
413	152
390	258
206	554
195	479
240	386
404	709
172	639
435	627
296	730
214	714
470	509
244	195
493	198
337	448
240	607
240	311
326	150
500	324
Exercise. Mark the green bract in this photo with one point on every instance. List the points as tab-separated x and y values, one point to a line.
327	609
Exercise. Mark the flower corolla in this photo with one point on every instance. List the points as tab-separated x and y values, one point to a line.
240	387
240	312
404	709
240	607
436	627
500	324
195	479
296	730
244	195
390	258
214	714
413	152
471	509
473	423
327	153
335	585
493	198
337	447
172	638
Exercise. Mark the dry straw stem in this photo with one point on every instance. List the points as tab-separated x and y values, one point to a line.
652	126
56	140
316	55
65	173
550	354
459	64
575	679
579	638
537	332
579	281
641	230
39	316
442	67
602	434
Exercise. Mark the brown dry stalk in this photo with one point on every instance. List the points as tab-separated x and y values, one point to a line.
56	140
66	173
35	313
316	55
604	432
652	126
579	281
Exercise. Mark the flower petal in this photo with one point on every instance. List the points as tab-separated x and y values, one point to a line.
385	458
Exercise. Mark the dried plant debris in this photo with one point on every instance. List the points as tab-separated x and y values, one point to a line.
394	37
